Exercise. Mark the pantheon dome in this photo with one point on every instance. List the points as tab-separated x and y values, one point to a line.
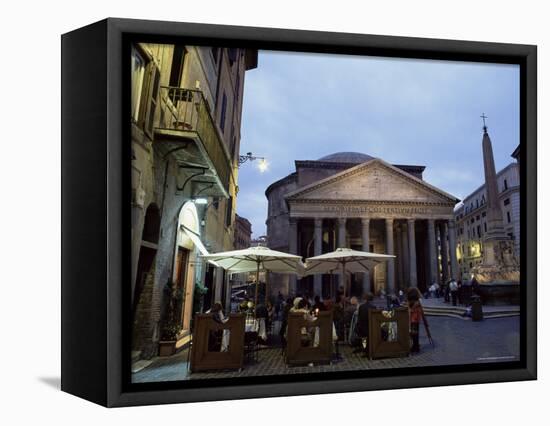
346	157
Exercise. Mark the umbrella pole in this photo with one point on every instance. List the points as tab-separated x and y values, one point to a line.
344	280
266	272
257	287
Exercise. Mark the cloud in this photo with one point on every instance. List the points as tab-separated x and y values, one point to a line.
304	106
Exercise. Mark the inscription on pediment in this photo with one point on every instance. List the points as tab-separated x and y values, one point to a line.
373	210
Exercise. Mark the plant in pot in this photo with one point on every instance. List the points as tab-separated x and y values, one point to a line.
170	326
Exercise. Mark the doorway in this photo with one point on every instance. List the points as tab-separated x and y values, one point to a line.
180	281
144	285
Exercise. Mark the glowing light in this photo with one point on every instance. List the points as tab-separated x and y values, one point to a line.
200	201
262	165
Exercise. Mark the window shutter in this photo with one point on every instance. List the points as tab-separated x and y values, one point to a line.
229	212
153	88
232	54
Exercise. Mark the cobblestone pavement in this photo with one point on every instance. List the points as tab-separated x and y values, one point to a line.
456	342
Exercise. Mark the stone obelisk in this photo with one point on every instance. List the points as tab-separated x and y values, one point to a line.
495	225
498	274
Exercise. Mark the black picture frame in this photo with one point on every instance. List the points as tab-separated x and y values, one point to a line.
95	192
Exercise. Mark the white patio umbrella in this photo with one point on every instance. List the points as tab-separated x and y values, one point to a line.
258	259
344	260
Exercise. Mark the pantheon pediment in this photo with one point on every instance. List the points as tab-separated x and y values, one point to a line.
374	180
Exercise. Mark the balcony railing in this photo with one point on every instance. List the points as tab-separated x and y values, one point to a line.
185	111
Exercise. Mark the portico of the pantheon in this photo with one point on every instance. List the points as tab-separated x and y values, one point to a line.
353	200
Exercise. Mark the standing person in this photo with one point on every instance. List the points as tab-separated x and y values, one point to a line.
416	314
338	316
318	305
467	292
475	286
460	293
447	293
433	289
453	289
279	304
284	321
270	315
362	327
349	310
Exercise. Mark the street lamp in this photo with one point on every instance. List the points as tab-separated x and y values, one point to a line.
262	165
200	200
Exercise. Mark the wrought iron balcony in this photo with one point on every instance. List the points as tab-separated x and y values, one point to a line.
185	117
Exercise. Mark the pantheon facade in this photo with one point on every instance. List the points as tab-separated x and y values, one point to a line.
353	200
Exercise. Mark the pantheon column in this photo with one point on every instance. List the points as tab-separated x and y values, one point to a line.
399	276
413	280
390	284
405	255
341	232
317	250
293	249
342	244
365	224
444	251
432	251
452	249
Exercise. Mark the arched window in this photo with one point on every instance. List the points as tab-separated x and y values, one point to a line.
151	226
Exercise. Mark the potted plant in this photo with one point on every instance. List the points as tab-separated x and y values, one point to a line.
169	337
170	327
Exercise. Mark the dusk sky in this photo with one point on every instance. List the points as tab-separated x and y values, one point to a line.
304	106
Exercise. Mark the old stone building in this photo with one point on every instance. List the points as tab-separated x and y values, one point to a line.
186	118
353	200
243	232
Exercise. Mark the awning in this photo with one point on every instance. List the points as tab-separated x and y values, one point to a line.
197	242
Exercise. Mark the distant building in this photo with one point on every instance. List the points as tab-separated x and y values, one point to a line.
260	241
242	240
471	218
243	232
515	154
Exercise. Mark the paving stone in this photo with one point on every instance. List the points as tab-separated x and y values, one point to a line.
456	342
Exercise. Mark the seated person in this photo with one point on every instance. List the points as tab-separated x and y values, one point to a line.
217	313
349	310
300	306
318	305
218	340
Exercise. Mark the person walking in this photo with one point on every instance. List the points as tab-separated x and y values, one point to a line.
416	314
460	293
284	322
453	288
